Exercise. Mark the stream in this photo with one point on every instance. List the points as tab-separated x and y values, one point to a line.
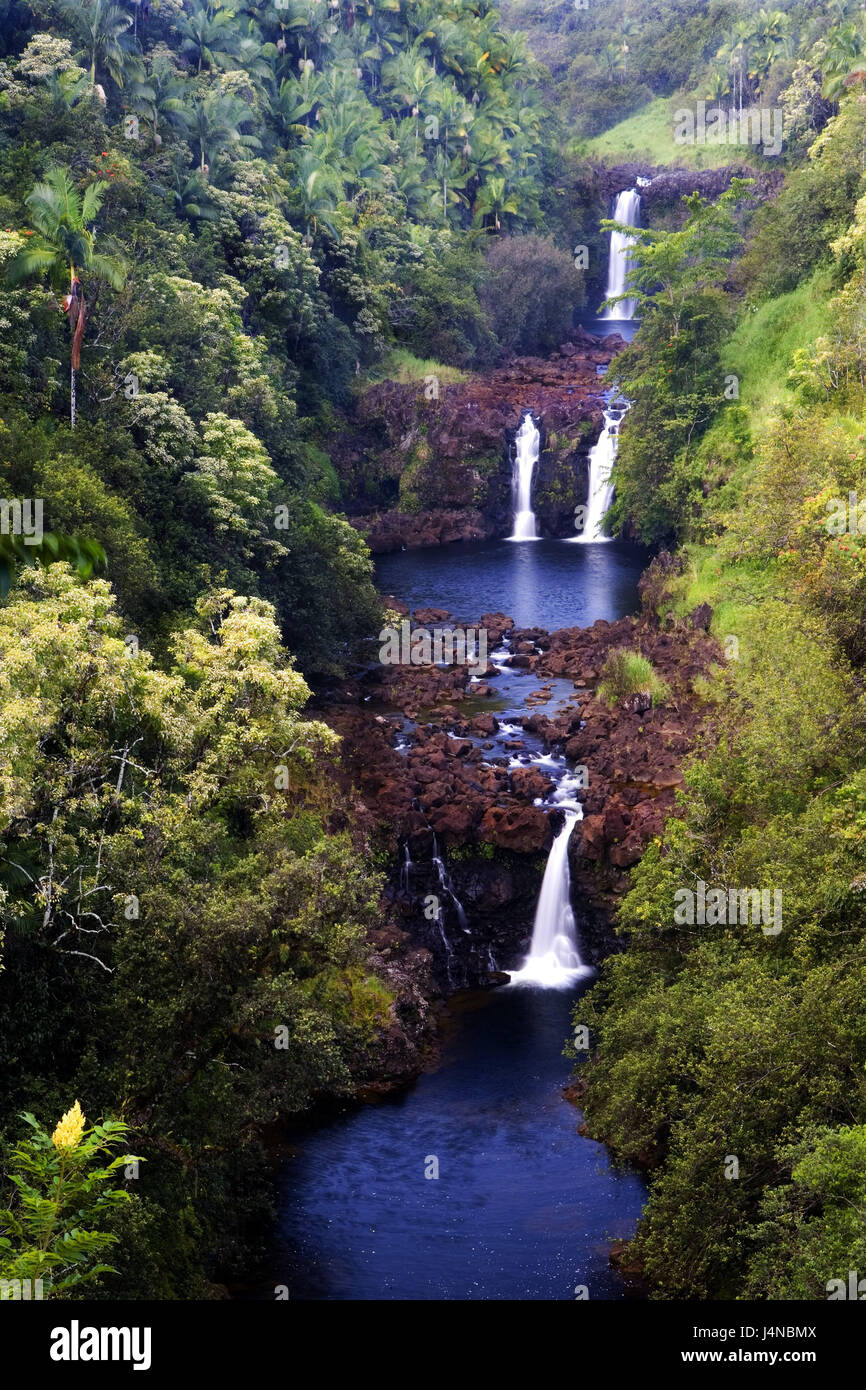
474	1182
523	1206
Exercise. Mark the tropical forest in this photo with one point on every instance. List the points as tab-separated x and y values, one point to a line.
433	658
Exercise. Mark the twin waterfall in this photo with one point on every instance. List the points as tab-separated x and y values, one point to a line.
602	457
627	210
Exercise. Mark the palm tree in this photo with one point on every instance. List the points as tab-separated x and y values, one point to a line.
68	88
409	78
514	58
63	220
487	152
450	180
191	195
297	99
159	99
255	58
493	200
718	84
210	39
455	119
735	53
611	56
213	124
843	55
101	28
379	28
320	191
409	176
771	25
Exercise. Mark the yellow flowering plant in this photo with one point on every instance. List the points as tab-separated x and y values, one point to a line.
59	1191
69	1130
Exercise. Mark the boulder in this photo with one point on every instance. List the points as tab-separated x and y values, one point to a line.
522	828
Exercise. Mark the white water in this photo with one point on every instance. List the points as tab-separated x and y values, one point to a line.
554	958
406	870
526	446
627	210
602	457
447	886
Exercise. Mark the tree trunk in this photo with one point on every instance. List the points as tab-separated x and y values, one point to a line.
71	368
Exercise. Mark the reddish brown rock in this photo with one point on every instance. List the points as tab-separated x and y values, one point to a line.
425	616
529	783
592	837
522	828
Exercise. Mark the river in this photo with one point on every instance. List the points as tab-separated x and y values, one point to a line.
523	1207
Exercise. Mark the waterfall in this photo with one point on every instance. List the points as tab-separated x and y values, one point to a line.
554	959
526	446
406	869
447	887
627	210
602	457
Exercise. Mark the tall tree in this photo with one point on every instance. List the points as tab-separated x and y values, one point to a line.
102	29
214	125
63	247
210	39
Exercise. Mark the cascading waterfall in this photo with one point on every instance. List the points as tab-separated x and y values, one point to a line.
446	885
554	958
603	454
526	446
602	457
627	210
406	869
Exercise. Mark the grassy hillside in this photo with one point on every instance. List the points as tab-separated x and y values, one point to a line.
649	135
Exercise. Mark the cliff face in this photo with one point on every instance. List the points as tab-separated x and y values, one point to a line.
438	468
662	196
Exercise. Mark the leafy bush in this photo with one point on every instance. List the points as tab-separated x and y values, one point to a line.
58	1192
530	293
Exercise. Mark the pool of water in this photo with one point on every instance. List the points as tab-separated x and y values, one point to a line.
545	583
523	1207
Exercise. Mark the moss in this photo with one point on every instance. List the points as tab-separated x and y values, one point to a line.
356	1001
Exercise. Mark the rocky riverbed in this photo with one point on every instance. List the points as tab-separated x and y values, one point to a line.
437	783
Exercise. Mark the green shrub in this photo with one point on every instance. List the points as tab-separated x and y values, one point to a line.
627	673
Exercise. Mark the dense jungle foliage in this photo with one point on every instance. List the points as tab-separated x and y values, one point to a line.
217	223
224	217
728	1062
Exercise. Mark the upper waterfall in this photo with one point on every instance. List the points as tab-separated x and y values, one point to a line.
627	210
527	442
